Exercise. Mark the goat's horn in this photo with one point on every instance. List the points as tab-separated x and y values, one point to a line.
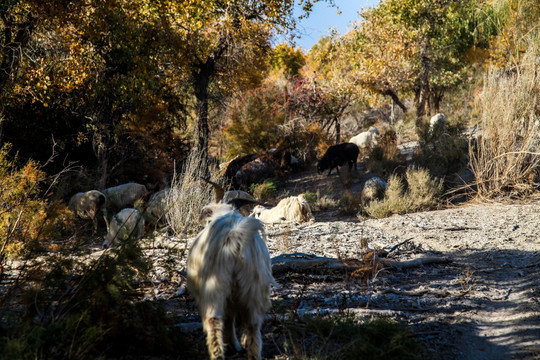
239	202
219	191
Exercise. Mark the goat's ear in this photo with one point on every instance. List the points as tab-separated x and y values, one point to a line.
205	212
218	190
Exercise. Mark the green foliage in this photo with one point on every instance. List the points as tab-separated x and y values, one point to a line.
441	150
264	191
94	83
285	58
420	192
320	203
255	120
515	21
416	46
343	336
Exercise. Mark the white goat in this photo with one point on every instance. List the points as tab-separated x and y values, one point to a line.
125	195
229	273
367	139
293	208
437	121
156	208
128	222
88	204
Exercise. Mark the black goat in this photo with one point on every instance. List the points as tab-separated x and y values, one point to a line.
338	155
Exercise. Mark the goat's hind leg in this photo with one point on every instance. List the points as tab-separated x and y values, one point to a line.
231	340
253	341
214	337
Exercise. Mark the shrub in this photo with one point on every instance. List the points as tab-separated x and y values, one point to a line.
264	191
28	220
264	118
505	158
421	192
441	150
349	204
188	196
320	203
255	120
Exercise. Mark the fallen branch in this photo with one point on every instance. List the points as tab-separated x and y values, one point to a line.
301	263
417	292
400	265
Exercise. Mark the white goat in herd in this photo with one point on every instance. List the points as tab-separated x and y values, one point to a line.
229	274
292	208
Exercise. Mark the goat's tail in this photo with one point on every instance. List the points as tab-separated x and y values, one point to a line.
241	234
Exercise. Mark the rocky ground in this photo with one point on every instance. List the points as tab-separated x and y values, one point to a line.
465	279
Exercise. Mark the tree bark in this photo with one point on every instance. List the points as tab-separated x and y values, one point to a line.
102	141
202	81
202	75
12	47
423	88
338	130
395	99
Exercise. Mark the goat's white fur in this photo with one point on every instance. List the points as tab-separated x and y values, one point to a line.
438	120
156	208
292	208
366	139
229	273
128	222
125	195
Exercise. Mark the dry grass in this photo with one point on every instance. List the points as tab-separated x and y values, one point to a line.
505	159
187	197
320	203
421	193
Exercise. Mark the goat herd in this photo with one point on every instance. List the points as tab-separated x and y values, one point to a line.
228	267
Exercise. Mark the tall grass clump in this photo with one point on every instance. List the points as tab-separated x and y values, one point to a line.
505	159
264	191
188	195
421	191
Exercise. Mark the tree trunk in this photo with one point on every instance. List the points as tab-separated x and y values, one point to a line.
202	74
102	141
423	88
338	130
11	50
395	99
435	102
202	81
